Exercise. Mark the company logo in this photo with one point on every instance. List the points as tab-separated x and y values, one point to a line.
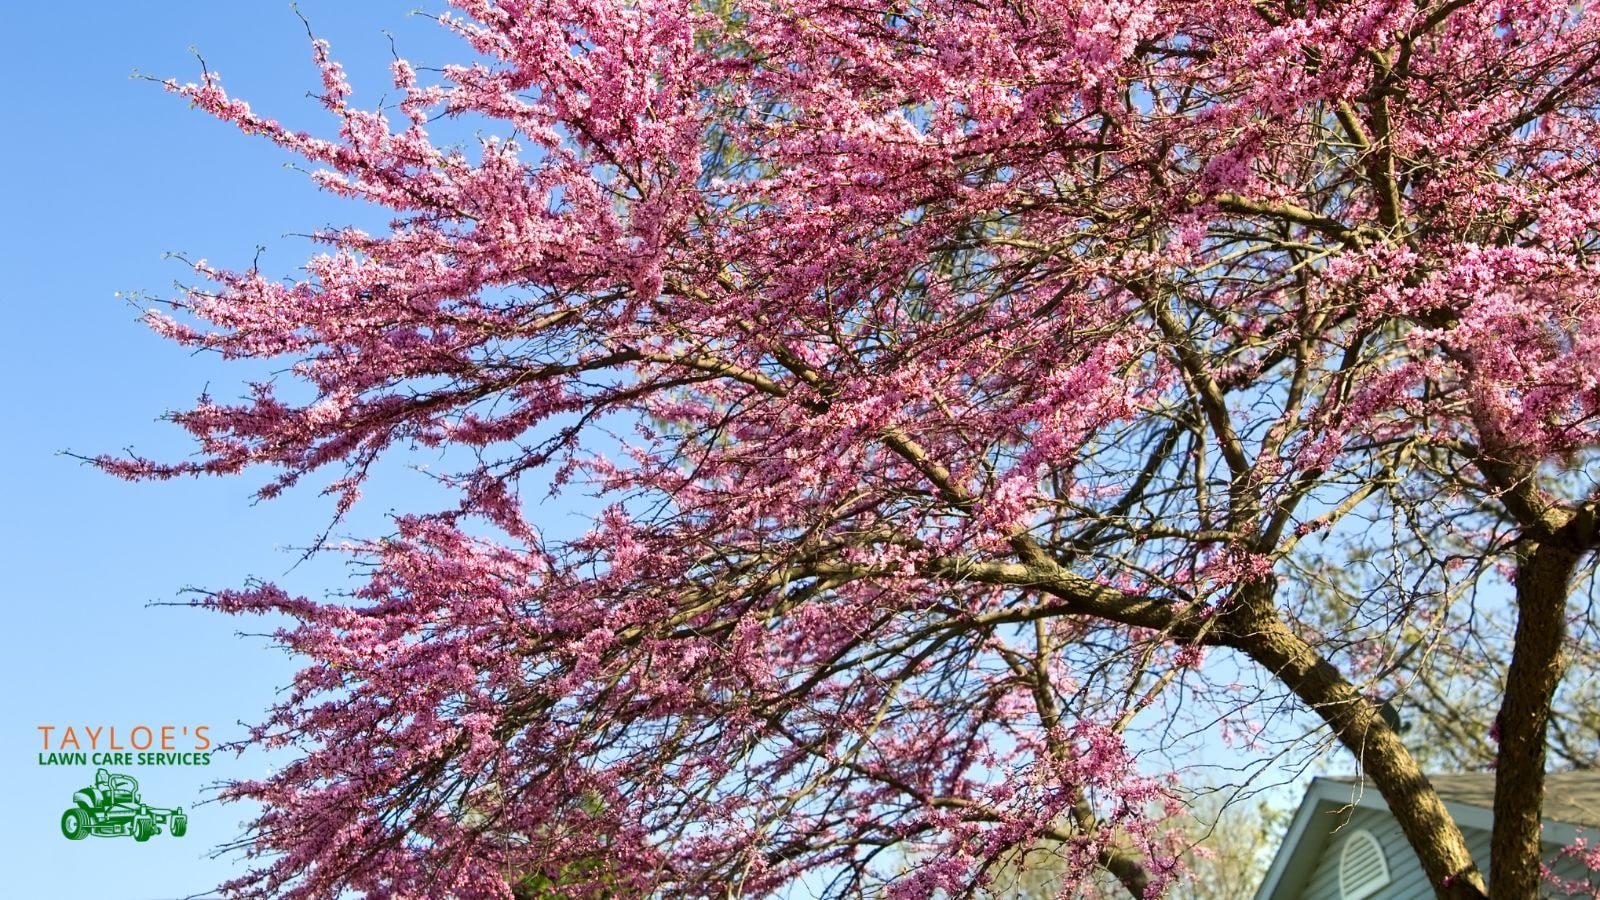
112	807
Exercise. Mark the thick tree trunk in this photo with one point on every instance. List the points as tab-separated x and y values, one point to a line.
1544	573
1432	833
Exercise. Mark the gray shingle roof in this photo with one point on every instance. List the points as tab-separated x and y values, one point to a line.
1570	797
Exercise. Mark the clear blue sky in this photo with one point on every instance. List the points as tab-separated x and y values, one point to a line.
103	174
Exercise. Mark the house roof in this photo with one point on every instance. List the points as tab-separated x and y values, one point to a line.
1572	801
1570	797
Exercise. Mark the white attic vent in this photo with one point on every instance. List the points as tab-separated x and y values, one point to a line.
1362	869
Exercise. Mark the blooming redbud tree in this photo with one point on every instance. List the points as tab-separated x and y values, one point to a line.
971	392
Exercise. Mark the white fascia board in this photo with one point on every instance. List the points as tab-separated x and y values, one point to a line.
1292	864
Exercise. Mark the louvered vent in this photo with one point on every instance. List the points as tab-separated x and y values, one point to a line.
1362	869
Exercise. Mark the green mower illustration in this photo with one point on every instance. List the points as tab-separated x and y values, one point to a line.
111	808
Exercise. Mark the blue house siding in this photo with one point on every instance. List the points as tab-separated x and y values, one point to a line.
1406	879
1405	873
